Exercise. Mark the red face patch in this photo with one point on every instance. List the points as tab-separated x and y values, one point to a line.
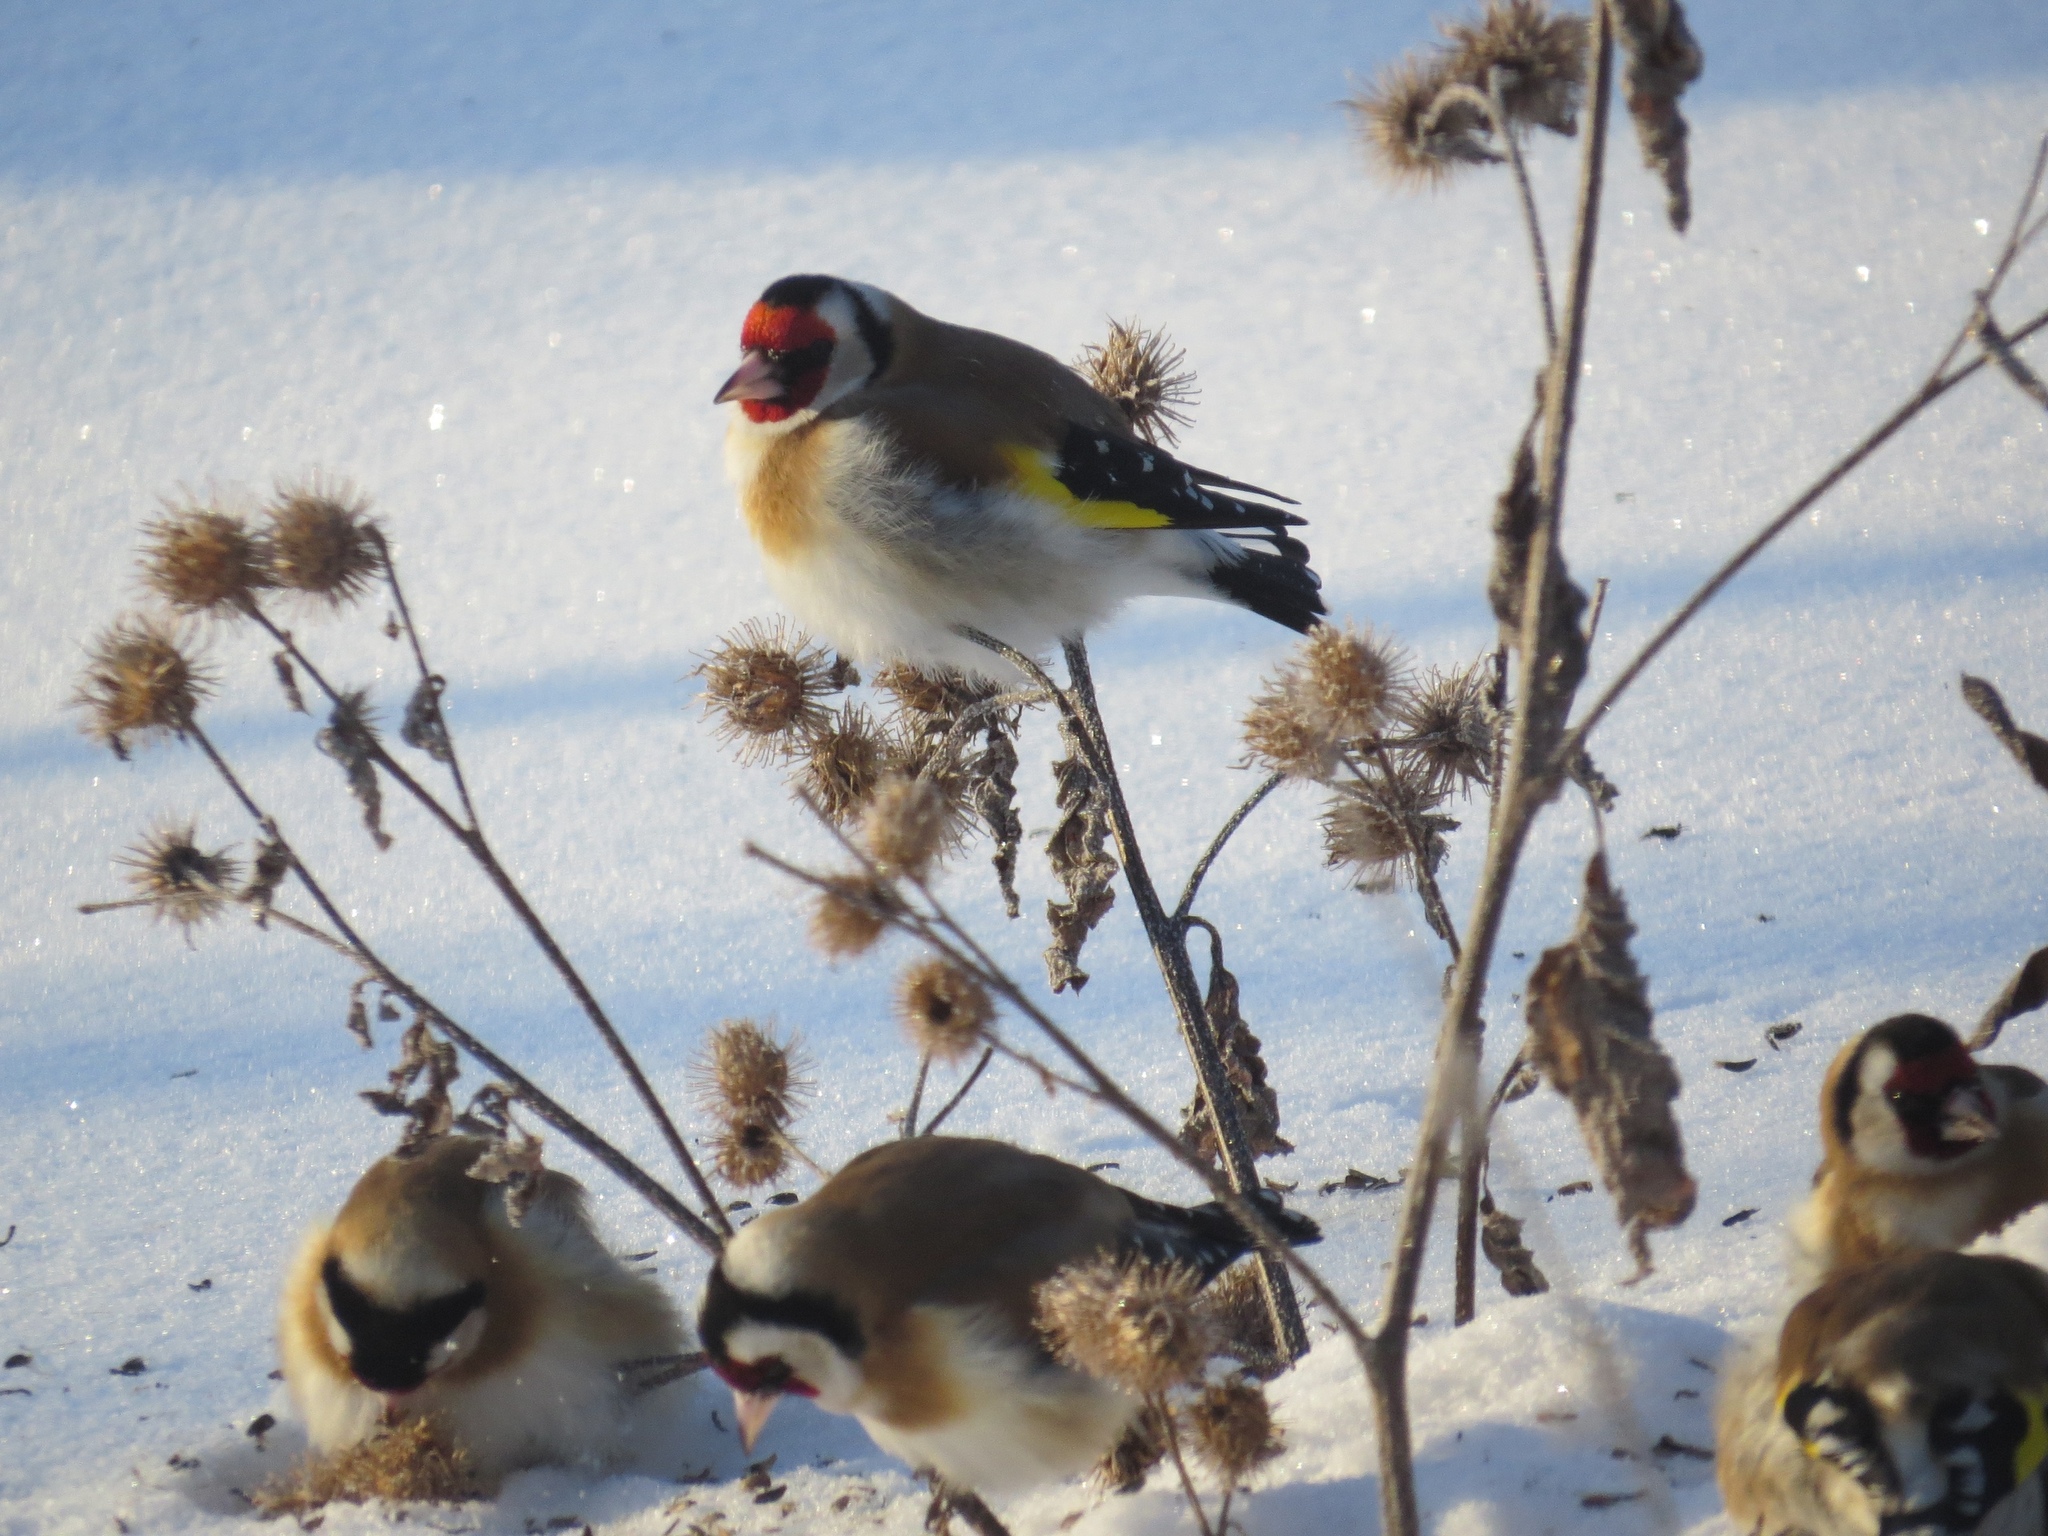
1919	1088
1934	1075
770	1375
783	328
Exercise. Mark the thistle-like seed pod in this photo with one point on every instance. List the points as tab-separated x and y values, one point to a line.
1285	730
139	681
745	1075
1541	57
1415	134
907	825
749	1153
1233	1430
203	561
842	761
1133	1323
1142	372
1366	829
323	543
1449	722
181	883
762	687
848	917
1352	674
945	1011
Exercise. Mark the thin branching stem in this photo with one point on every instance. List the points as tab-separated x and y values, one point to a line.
924	1067
1495	109
1223	835
939	1119
1180	1464
427	678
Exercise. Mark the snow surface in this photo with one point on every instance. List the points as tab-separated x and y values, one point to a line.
490	261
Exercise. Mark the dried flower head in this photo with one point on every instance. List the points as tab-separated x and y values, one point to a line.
762	686
907	824
1366	830
323	542
1448	719
1541	57
841	762
745	1074
202	560
1132	1322
936	692
180	882
1351	674
1417	130
409	1462
1233	1429
1124	1467
1236	1303
1142	372
139	681
848	917
749	1153
1285	730
945	1010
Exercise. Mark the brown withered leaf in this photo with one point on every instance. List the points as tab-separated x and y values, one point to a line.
1500	1239
1589	1032
515	1162
2027	991
1258	1105
1662	59
1562	645
2028	750
1085	868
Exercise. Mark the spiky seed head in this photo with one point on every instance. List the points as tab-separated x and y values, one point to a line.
907	824
323	542
1366	839
945	1011
1233	1430
1133	1323
1142	1447
1352	674
749	1153
1541	56
1449	721
1236	1304
139	681
841	761
182	883
201	560
1413	134
762	687
848	917
1142	372
744	1075
1286	730
938	691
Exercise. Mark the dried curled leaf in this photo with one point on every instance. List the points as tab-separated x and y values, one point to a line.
513	1160
428	1062
1589	1032
1078	858
423	727
1662	59
1562	645
2027	991
1258	1105
930	707
2027	749
1500	1239
350	738
1124	1467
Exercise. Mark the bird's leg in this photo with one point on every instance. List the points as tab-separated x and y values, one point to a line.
949	1500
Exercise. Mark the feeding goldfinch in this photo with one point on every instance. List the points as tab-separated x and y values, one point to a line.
1924	1147
902	1293
421	1298
1904	1398
904	477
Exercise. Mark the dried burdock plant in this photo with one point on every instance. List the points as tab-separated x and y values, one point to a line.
2027	749
418	1086
908	824
200	560
423	727
1135	1322
1500	1239
513	1161
1132	1458
1331	694
1145	374
350	738
938	713
1662	60
1589	1032
1080	861
1258	1105
849	916
176	879
140	682
840	762
764	687
1242	1323
1371	827
1450	726
1415	130
1232	1429
1540	55
322	542
745	1073
749	1153
273	863
945	1011
409	1462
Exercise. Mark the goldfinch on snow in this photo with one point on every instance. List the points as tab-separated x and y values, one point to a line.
421	1298
902	1293
1924	1147
904	477
1905	1398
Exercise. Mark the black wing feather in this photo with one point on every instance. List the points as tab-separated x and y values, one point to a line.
1098	467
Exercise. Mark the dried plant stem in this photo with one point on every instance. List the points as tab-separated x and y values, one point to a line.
351	946
474	843
1157	1404
959	1093
1489	103
1223	835
924	1068
419	656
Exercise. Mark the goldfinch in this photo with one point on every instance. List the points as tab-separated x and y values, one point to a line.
421	1298
1924	1147
902	1293
1904	1398
904	477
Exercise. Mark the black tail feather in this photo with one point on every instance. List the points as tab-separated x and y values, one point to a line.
1208	1237
1280	587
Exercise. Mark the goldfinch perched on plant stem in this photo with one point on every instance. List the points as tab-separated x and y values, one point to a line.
905	477
1925	1147
422	1299
902	1292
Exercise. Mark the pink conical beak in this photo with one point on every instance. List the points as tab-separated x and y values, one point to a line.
752	1410
1968	1116
754	379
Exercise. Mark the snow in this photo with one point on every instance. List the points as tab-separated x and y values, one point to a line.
490	262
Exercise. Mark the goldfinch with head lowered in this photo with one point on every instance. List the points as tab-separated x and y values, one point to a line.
1905	1398
422	1299
1925	1147
904	477
902	1293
